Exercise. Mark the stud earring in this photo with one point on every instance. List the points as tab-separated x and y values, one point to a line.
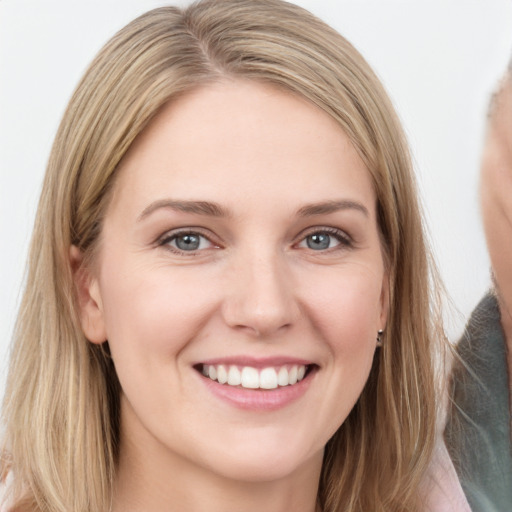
380	332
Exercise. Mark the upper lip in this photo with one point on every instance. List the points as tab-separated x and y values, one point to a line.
255	362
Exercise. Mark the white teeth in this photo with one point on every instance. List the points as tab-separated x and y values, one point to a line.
234	377
292	375
268	378
252	378
282	376
222	374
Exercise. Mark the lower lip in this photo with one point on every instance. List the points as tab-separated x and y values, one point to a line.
259	399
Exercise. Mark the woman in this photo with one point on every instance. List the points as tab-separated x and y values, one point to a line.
229	288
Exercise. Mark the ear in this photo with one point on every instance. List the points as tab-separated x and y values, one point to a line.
384	301
88	296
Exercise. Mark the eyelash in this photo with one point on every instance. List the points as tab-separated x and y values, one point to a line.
345	241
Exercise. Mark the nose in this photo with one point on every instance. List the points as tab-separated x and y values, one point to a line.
260	296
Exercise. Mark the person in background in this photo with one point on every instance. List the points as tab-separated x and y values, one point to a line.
478	431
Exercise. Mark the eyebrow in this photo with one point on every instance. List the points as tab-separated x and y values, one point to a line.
212	209
326	207
197	207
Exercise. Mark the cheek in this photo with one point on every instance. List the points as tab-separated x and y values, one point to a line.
153	309
346	308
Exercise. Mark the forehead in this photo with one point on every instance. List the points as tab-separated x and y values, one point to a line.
244	139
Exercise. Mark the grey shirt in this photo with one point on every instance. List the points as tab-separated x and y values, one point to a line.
478	433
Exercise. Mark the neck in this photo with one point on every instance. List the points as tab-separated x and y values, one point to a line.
152	478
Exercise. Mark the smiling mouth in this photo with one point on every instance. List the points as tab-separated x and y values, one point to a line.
249	377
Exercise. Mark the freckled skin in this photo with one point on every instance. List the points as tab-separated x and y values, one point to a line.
257	285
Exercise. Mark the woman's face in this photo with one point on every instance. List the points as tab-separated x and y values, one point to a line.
240	282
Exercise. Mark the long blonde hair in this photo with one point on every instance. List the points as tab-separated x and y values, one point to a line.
61	407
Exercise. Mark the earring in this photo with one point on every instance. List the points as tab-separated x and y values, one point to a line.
380	332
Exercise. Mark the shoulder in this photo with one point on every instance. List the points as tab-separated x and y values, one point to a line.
4	507
479	386
478	427
4	497
441	487
6	502
483	330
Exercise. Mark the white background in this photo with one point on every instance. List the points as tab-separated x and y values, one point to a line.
439	60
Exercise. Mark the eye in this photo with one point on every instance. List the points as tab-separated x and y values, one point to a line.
325	239
186	241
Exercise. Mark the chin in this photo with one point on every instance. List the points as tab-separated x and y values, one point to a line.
257	462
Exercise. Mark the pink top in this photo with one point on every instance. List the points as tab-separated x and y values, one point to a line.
442	488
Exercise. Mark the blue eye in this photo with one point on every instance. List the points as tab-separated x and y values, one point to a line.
187	242
323	240
318	241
